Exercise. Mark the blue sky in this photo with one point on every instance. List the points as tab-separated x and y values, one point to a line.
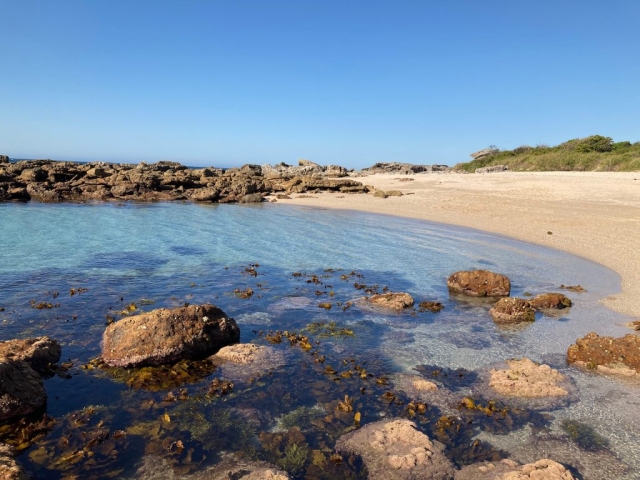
345	82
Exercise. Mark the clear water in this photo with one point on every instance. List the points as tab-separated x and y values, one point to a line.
169	254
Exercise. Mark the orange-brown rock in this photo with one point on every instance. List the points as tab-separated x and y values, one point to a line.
167	335
9	468
550	301
39	352
392	301
524	378
614	355
543	469
512	310
479	283
21	389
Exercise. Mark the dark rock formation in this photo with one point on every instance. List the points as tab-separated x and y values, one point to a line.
163	336
40	352
512	310
550	301
404	168
9	468
21	389
51	181
392	301
607	354
492	169
479	283
4	159
395	450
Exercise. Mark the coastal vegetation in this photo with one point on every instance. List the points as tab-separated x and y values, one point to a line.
594	153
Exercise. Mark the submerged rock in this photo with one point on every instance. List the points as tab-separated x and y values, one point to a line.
512	310
543	469
167	335
21	389
550	301
9	468
392	301
607	354
39	352
395	450
247	360
479	283
525	378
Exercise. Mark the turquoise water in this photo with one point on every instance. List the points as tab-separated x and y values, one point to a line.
157	255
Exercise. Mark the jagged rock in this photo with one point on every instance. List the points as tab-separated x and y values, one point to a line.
512	310
21	389
492	169
479	283
403	168
395	450
392	301
543	469
335	171
164	336
525	378
4	159
483	153
40	352
550	301
252	198
607	354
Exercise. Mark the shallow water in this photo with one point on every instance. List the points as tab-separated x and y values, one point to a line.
157	255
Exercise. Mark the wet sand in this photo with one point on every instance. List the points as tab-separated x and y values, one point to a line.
595	215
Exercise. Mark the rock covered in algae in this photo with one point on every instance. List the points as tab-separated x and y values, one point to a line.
21	389
607	354
167	335
392	300
512	310
39	352
394	450
245	360
479	283
550	301
525	378
9	468
543	469
230	467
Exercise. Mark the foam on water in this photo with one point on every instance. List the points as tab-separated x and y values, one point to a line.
154	249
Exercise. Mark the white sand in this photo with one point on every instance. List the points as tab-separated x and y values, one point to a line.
595	215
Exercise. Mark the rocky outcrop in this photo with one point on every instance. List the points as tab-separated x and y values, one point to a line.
404	168
21	389
51	181
9	468
607	354
543	469
483	153
164	336
512	310
392	301
4	159
41	353
525	378
550	301
492	169
479	283
244	361
396	450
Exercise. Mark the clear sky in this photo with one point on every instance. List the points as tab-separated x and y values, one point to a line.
334	81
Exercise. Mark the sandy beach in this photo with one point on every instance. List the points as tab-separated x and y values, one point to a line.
595	215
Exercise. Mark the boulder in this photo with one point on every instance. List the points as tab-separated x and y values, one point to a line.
512	310
392	301
9	468
396	450
39	352
4	159
243	361
335	171
479	283
252	198
550	301
21	389
525	378
543	469
167	335
483	153
607	354
492	169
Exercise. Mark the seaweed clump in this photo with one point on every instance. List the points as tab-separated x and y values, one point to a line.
584	435
328	329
